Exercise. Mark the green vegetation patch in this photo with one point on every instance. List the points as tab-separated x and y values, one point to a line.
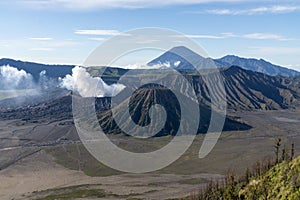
281	182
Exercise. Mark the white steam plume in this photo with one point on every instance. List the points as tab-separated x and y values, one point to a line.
177	63
88	86
13	79
159	65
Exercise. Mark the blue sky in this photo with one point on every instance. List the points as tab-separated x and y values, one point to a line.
66	31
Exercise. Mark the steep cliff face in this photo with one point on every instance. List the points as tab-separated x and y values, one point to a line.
247	90
143	99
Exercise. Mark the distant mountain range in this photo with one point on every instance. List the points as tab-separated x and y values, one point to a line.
52	71
177	58
174	58
246	88
256	66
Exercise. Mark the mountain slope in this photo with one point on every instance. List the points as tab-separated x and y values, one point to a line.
280	182
32	97
59	108
141	101
247	90
178	58
267	180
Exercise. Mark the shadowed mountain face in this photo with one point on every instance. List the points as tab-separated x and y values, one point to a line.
36	98
141	101
59	108
247	90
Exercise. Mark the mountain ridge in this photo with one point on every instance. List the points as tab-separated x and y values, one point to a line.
257	65
199	62
34	68
175	58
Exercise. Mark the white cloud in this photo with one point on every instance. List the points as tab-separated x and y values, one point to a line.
137	66
98	32
97	39
229	35
219	12
254	11
11	78
50	45
41	49
144	66
143	41
257	36
63	44
140	66
265	36
205	36
41	38
177	63
130	4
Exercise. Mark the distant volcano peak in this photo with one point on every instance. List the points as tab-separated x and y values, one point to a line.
182	58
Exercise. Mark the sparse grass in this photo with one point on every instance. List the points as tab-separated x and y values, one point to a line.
281	182
270	179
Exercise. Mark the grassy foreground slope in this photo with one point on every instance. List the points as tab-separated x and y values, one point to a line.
280	182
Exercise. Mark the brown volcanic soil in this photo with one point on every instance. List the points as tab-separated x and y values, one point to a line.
35	170
39	172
